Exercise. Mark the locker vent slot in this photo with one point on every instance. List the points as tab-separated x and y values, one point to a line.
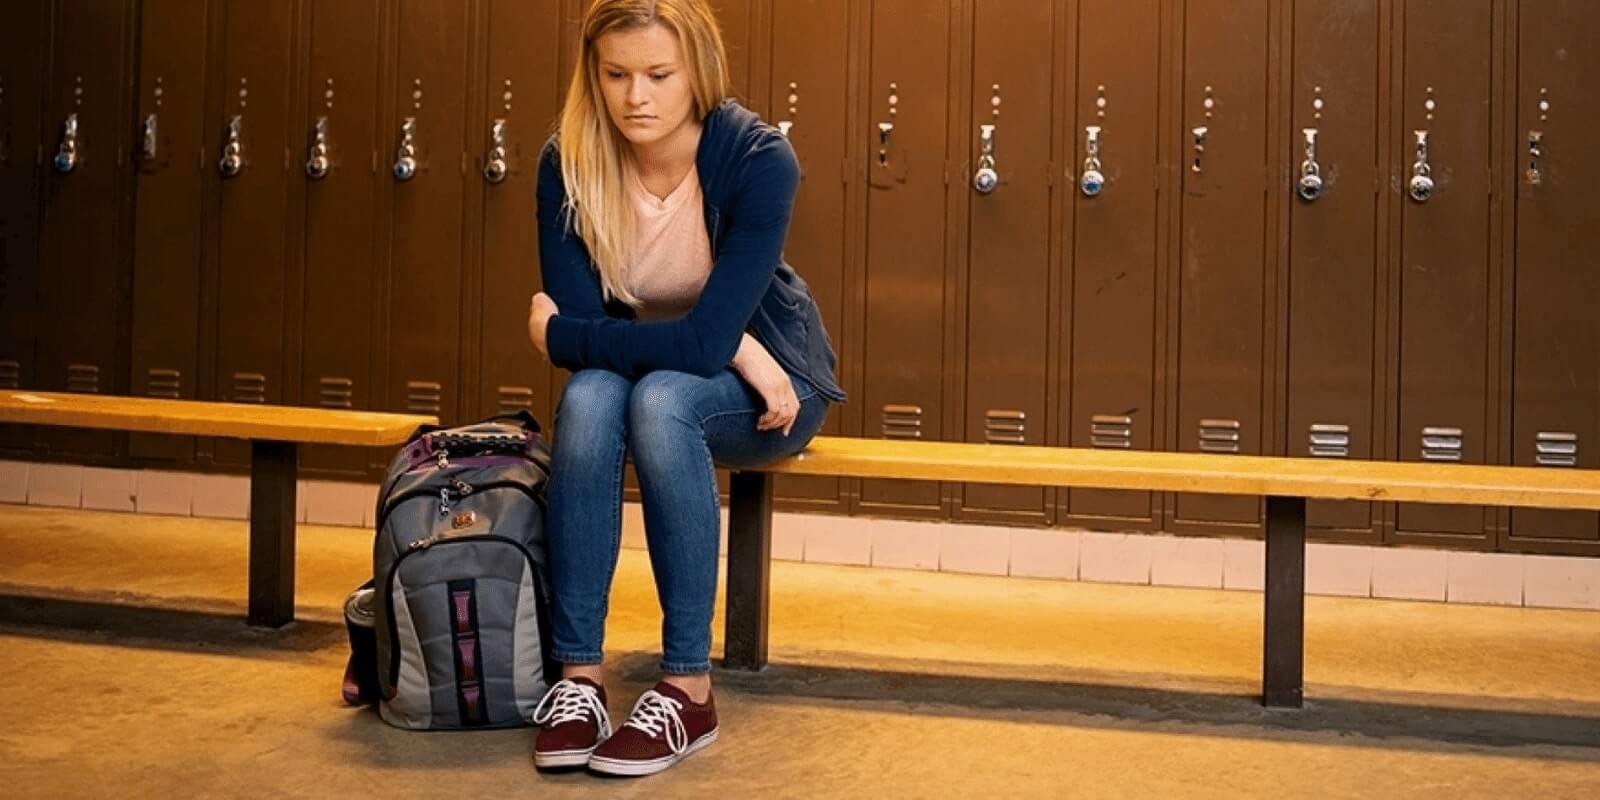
902	422
336	393
514	399
1441	444
1005	426
249	387
10	374
83	378
1219	435
1111	431
1557	449
1329	441
164	383
423	396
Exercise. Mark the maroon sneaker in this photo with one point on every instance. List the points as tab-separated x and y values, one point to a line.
663	729
574	719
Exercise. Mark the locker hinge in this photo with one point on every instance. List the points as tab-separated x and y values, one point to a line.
1050	175
844	171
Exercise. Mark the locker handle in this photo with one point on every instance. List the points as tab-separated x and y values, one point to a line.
66	159
1092	180
232	162
495	168
1310	185
884	130
784	127
986	179
405	163
150	137
1535	151
1199	134
1421	186
317	163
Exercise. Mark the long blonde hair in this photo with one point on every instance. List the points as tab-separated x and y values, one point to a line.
595	155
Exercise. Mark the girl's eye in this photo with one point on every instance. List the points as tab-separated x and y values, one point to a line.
660	76
614	75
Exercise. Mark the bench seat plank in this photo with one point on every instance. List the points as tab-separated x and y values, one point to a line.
197	418
276	432
1260	476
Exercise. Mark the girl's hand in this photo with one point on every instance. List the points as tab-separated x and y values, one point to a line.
540	310
763	373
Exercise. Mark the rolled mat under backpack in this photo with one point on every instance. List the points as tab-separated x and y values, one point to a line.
452	631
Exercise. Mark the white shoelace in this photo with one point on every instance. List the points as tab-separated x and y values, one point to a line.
655	714
568	701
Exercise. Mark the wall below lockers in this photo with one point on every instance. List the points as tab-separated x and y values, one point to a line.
1325	228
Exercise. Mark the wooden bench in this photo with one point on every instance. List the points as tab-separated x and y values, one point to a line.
1286	483
275	433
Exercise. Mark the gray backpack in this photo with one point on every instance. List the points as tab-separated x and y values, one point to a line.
457	606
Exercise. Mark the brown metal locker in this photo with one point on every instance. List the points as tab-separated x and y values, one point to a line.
1222	253
1334	247
1009	245
1555	409
23	54
1115	321
522	83
250	148
734	19
809	91
337	157
425	151
170	211
907	285
85	219
1445	240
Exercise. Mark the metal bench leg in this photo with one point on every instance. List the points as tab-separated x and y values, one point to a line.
749	571
1283	636
272	519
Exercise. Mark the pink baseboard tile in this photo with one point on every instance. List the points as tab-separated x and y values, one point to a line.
1189	561
108	489
904	544
57	485
1487	578
1409	573
14	481
1046	553
975	549
1551	582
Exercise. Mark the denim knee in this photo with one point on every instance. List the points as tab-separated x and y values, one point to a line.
594	402
662	404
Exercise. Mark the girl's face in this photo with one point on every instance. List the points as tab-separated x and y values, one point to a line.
645	83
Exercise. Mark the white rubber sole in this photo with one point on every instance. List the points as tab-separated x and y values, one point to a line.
634	769
562	758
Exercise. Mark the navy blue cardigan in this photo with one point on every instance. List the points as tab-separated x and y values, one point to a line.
748	177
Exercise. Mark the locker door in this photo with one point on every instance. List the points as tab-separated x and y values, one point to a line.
522	84
907	214
1222	253
427	136
734	18
337	157
85	218
23	54
809	89
1333	244
1444	279
1556	355
250	150
1115	259
169	220
1009	240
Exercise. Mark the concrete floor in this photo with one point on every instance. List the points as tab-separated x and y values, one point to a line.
129	673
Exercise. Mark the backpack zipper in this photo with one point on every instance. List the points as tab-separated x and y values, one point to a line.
443	495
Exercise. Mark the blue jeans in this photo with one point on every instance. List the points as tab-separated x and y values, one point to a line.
675	425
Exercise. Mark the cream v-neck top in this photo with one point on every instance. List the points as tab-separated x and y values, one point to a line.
671	252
